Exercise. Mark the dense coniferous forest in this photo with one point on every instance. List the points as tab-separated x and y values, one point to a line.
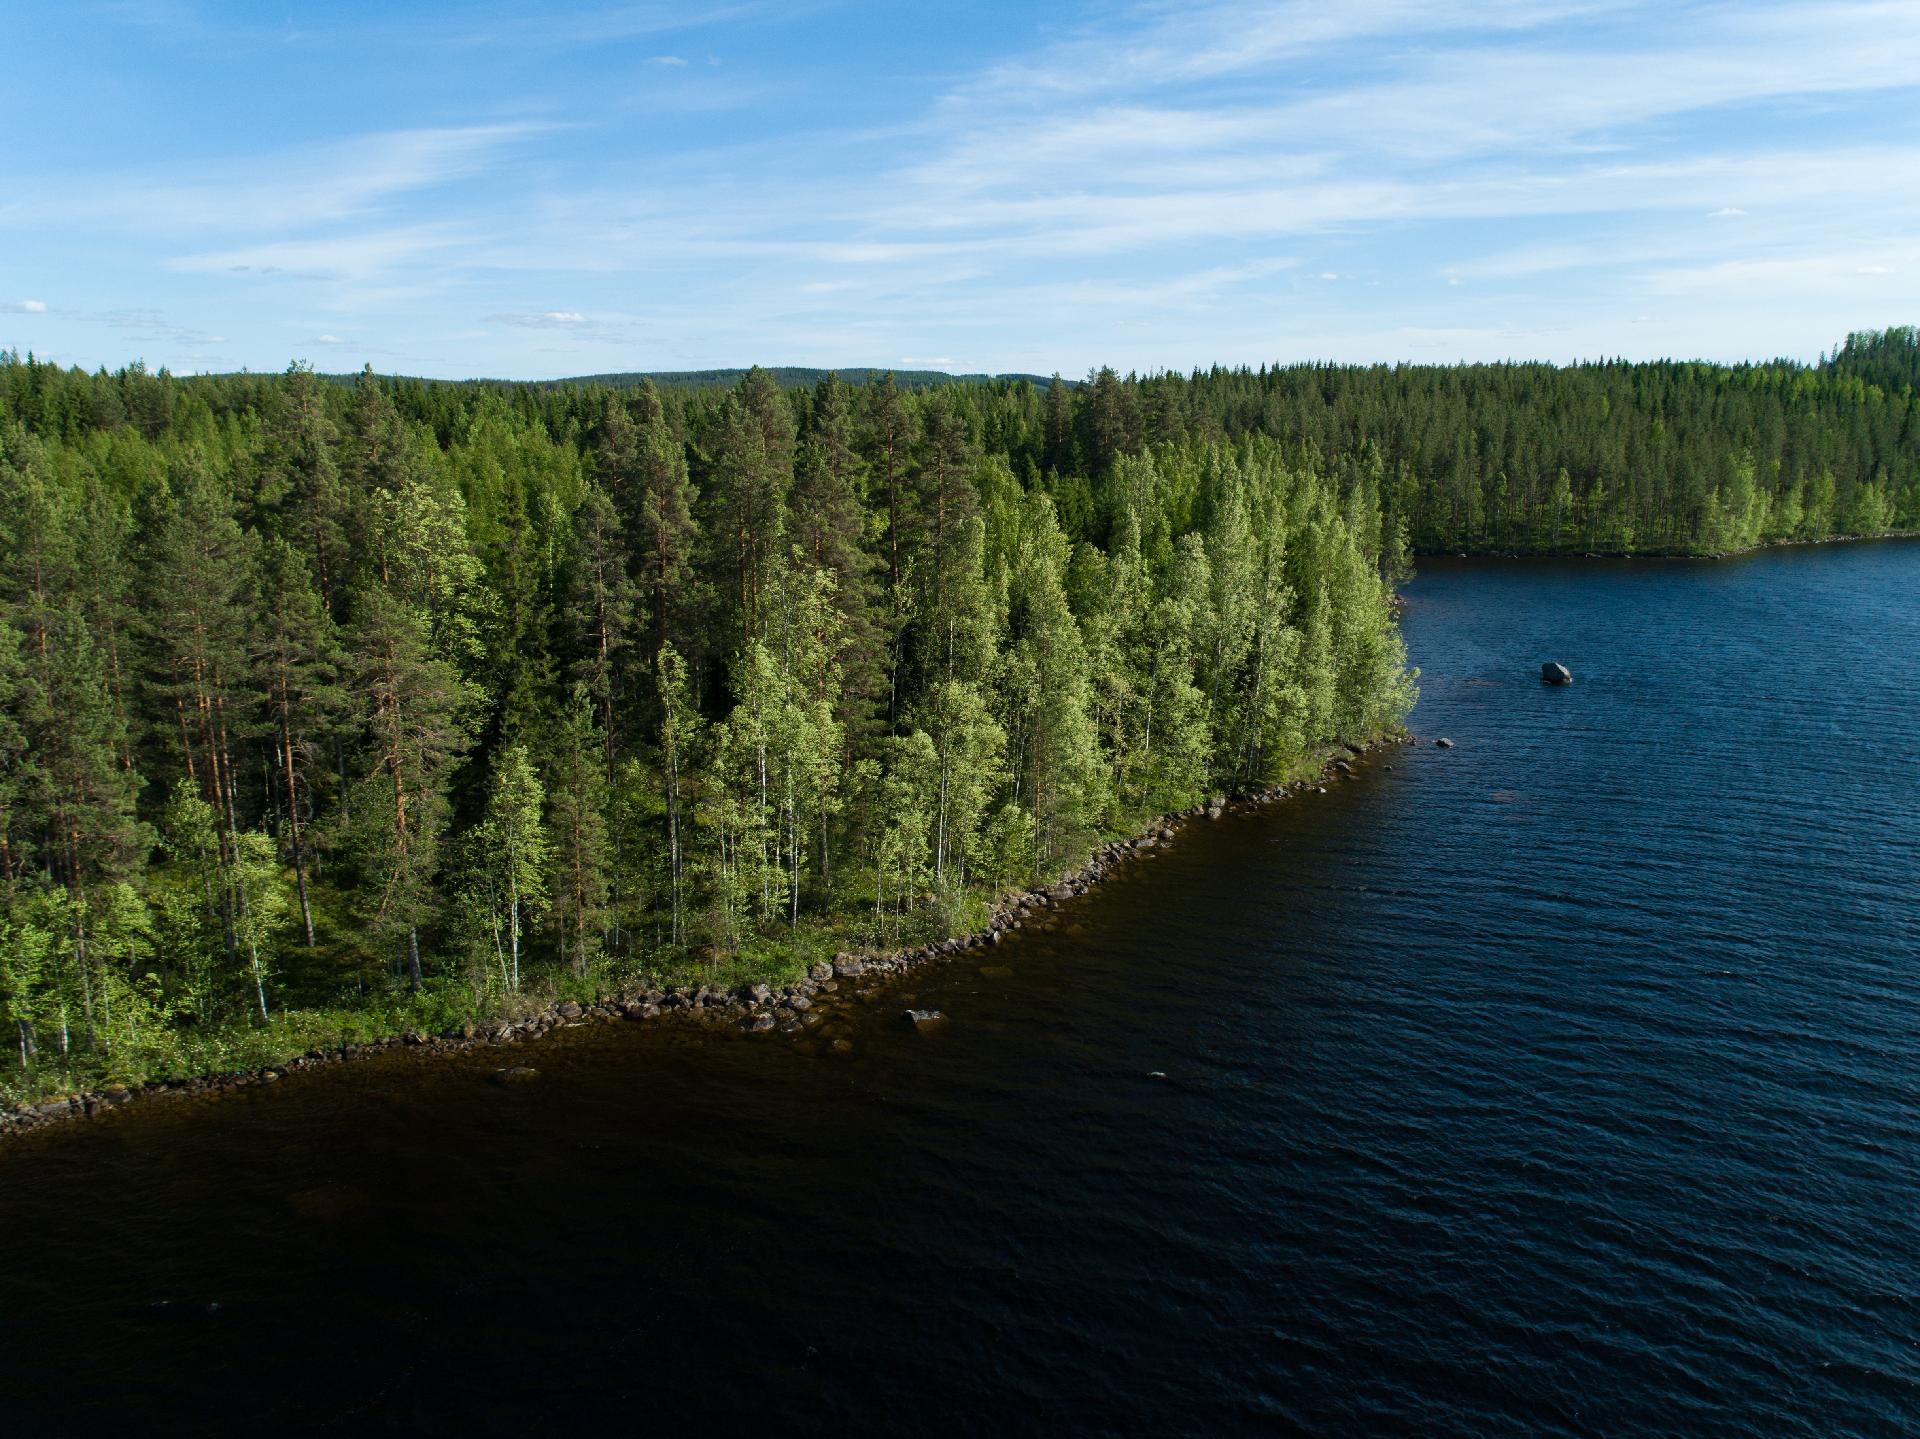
336	707
332	709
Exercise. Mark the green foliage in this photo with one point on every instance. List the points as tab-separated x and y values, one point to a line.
329	709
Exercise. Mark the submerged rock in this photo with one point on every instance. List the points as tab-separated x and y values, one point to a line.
1555	674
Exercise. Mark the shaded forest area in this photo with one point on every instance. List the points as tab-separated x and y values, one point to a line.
335	709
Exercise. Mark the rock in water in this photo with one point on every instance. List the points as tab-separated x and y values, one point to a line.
1443	744
1553	674
921	1018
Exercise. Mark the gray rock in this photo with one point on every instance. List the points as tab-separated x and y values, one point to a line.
1555	674
1443	744
921	1018
847	966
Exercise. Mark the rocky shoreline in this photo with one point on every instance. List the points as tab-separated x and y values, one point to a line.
754	1008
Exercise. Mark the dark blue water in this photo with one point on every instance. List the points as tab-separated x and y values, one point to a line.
1564	1082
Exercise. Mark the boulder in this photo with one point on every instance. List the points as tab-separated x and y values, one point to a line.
847	966
1555	674
1443	743
922	1018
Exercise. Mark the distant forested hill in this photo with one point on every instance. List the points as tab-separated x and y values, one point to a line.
789	377
1889	359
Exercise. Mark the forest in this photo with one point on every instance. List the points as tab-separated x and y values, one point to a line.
337	706
331	708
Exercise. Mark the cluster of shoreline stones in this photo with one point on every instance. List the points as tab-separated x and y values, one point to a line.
754	1008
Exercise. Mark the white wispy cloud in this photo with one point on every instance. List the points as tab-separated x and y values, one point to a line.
1157	182
343	256
267	194
24	307
544	320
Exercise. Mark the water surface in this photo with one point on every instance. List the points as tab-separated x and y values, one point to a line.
1564	1082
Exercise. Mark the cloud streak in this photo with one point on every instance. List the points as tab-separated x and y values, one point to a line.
1153	184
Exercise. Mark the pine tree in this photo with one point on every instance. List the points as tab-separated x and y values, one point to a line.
297	659
828	531
417	719
947	509
745	514
656	510
197	609
1058	452
299	480
890	431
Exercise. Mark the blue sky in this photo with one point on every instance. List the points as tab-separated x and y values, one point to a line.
481	189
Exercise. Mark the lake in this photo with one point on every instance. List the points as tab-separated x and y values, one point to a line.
1563	1082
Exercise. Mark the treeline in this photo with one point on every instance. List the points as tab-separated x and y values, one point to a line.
1624	458
325	706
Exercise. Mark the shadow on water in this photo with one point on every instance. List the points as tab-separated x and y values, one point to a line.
1564	1082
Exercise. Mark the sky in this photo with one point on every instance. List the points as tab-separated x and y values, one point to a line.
478	189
